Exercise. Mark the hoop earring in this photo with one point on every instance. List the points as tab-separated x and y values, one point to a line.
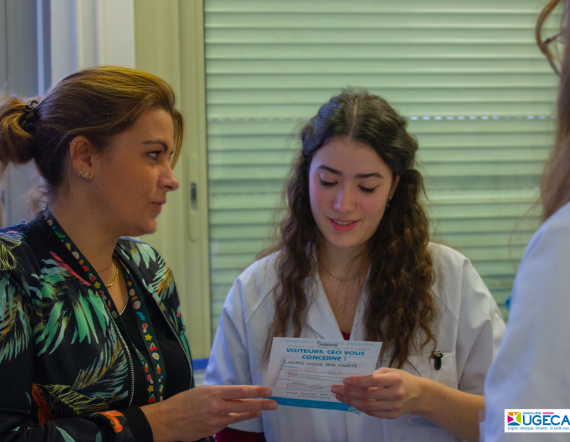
388	204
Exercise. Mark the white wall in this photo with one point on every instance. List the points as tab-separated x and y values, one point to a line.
86	33
83	33
62	39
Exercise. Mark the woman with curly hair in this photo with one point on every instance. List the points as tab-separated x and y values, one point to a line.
354	261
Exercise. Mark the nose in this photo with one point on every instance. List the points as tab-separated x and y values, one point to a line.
168	180
344	201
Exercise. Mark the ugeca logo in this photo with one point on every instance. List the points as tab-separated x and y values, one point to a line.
513	418
538	421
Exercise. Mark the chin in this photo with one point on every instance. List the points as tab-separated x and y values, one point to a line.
150	228
342	244
141	229
346	246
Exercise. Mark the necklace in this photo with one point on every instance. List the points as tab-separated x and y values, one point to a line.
342	281
115	278
106	268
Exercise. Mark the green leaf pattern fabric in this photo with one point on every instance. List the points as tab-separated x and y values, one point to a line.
64	367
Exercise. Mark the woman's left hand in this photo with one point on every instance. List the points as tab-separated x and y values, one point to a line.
388	393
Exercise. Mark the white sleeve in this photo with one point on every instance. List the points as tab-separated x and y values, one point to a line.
229	359
532	368
480	331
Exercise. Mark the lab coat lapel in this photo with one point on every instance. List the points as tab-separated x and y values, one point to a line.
320	316
358	331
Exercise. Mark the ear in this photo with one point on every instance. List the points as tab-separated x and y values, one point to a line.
82	154
394	184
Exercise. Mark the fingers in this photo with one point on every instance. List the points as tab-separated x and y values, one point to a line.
366	393
378	379
390	409
249	405
230	392
239	417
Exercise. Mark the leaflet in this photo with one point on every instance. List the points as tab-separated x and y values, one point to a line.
301	371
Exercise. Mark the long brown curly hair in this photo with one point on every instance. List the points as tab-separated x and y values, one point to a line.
401	271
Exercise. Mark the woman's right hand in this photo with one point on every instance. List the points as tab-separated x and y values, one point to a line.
205	410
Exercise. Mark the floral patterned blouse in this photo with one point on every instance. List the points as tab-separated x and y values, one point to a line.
66	372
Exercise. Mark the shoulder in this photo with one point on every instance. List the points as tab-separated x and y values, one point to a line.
253	287
260	277
450	266
457	284
261	271
544	267
19	259
446	258
15	251
553	236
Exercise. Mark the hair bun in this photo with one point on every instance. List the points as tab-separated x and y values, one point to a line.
17	127
403	122
31	116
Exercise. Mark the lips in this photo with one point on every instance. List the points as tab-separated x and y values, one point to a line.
343	225
158	206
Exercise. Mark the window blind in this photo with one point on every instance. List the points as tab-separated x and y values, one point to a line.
478	94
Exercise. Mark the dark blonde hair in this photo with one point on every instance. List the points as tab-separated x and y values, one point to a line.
401	270
98	103
555	188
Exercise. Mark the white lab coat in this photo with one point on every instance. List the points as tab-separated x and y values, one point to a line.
532	369
469	329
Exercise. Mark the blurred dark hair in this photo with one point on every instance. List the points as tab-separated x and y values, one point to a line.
401	271
98	103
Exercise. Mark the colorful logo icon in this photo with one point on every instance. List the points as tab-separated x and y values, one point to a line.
514	418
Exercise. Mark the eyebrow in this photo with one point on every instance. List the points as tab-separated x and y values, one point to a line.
358	175
159	142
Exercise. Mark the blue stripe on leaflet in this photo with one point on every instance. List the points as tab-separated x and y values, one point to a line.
304	403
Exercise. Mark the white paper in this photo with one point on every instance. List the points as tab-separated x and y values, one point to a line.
301	371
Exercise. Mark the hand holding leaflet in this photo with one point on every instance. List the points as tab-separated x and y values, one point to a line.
388	393
301	372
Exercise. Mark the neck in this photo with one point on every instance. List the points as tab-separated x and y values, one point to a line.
91	235
340	262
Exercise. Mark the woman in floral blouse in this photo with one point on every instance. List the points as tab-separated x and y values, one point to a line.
92	344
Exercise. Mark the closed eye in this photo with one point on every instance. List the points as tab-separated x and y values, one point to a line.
368	189
326	183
